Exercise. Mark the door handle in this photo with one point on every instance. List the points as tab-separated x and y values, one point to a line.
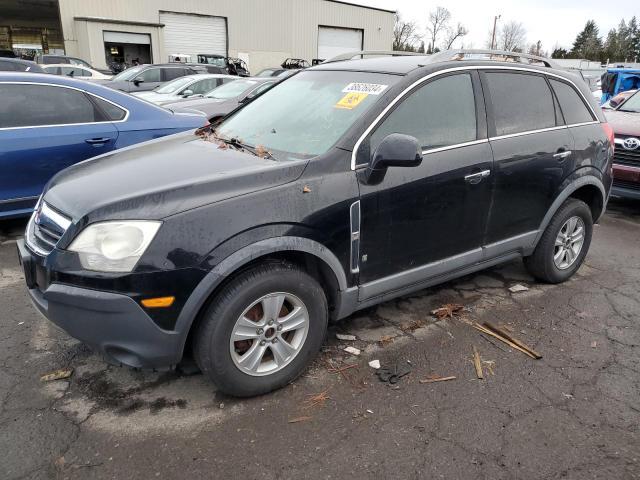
562	155
96	141
477	177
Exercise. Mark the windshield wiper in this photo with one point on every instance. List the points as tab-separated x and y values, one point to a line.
234	142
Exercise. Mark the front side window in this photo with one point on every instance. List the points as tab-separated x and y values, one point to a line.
439	114
35	105
572	106
307	114
521	102
149	75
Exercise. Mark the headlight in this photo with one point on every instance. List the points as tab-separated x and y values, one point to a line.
114	246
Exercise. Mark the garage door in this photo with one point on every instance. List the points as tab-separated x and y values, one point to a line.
193	34
333	41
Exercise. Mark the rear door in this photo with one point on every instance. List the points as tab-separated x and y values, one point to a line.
532	152
44	129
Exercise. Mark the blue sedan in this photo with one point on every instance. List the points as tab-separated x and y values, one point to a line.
48	123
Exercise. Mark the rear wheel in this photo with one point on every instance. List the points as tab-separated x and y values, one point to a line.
564	244
262	329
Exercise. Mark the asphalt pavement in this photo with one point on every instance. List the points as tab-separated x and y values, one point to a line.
573	414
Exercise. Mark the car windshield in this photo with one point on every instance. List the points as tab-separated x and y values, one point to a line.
632	104
174	85
231	89
212	60
304	116
128	74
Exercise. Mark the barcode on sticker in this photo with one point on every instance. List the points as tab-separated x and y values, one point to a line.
370	88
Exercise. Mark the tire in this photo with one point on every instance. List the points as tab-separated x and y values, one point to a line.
224	361
541	263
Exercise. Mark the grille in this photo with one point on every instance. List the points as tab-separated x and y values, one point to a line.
626	184
45	229
626	157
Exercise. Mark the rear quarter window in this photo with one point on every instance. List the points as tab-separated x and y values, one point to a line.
573	107
521	102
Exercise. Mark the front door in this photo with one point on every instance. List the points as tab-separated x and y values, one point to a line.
422	221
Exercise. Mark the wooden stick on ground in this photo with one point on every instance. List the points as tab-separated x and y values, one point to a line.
502	339
512	339
437	379
477	362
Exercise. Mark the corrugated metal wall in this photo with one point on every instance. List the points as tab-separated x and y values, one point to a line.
266	30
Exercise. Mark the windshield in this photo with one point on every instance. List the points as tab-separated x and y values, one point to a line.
307	114
174	85
212	60
128	74
632	104
231	89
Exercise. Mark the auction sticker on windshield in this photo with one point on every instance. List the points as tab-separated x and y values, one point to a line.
369	88
351	100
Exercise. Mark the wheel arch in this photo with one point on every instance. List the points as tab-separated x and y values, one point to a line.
589	189
316	258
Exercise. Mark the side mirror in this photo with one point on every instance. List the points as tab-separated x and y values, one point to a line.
395	150
187	93
137	81
71	73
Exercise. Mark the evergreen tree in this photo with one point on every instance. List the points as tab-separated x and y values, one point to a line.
588	44
559	53
633	49
611	49
623	42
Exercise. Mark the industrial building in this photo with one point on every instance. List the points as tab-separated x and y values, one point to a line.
261	32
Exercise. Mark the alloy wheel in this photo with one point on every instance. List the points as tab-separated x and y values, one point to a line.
568	244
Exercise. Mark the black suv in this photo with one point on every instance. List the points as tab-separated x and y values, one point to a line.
345	185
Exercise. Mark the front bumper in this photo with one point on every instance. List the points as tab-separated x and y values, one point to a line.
111	323
626	181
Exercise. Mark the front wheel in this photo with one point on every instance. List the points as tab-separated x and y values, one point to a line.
564	243
262	329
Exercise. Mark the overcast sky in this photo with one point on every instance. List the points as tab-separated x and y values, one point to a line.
551	21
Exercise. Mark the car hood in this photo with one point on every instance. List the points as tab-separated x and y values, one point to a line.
624	123
162	177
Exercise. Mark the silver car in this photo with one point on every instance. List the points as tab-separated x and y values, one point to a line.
185	87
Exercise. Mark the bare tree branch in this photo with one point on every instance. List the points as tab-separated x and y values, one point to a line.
405	35
437	23
512	37
453	34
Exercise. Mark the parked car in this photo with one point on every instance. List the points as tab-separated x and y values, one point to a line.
184	87
147	77
48	123
625	120
50	59
618	100
82	73
344	186
616	80
6	53
19	65
222	100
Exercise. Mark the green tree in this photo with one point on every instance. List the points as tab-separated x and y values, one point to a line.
633	48
588	44
559	53
611	49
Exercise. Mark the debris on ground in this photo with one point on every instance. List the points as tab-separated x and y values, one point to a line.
489	364
412	325
448	311
594	344
518	288
300	419
385	340
503	336
57	375
346	338
393	374
477	363
370	411
306	189
374	364
437	378
352	350
317	399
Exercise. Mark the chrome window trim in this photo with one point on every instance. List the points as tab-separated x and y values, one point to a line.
126	116
529	132
457	145
402	94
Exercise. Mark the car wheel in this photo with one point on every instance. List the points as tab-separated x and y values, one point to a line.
262	330
564	243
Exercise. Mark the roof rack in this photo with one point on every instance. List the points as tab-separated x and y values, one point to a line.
368	53
496	55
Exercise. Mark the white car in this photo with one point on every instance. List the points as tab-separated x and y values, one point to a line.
75	71
185	87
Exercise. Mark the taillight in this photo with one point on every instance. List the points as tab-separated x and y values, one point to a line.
610	135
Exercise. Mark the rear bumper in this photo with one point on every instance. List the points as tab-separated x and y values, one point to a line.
113	324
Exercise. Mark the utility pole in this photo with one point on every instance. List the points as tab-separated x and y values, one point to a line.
493	35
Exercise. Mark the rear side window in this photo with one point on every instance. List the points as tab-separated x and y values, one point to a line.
111	111
173	73
439	114
572	106
521	102
35	105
